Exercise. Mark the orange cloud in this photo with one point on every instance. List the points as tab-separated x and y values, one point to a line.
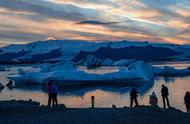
82	4
179	10
138	21
176	40
177	24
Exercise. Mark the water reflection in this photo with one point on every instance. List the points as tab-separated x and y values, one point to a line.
169	79
81	91
146	87
105	96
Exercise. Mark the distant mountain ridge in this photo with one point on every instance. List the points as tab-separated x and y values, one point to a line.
59	50
146	53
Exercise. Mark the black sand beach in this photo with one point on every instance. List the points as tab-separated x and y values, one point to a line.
24	112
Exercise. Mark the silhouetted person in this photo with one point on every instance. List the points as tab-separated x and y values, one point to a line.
153	100
54	94
187	101
10	84
49	85
165	94
134	96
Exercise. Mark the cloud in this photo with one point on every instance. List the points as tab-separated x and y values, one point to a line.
166	21
44	10
185	34
94	22
92	4
21	35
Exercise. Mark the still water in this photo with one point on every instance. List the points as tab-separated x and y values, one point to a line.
104	96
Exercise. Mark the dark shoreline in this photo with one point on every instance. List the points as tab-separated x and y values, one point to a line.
22	112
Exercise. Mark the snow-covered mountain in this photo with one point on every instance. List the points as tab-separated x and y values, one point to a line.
45	50
56	50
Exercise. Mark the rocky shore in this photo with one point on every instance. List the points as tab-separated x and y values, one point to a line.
30	112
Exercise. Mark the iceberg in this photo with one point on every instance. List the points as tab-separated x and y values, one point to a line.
20	71
123	62
92	61
171	71
1	86
67	73
2	68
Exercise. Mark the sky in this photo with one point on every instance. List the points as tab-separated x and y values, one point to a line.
24	21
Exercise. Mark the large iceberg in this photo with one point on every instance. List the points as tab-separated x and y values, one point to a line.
92	61
123	62
68	74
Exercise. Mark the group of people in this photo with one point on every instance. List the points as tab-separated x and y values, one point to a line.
52	93
153	101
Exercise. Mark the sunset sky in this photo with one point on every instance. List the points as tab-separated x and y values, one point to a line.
23	21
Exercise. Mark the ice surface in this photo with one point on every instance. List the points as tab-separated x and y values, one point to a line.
68	72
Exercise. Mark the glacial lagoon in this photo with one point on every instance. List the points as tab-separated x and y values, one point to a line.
105	96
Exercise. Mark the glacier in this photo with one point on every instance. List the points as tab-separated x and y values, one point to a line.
127	72
67	73
67	49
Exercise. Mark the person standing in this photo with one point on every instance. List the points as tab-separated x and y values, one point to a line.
133	97
54	94
153	99
187	101
10	84
49	85
165	94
